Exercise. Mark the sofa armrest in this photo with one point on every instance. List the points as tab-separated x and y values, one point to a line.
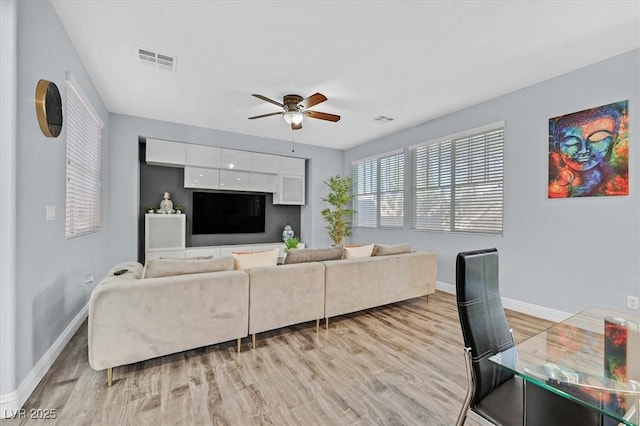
132	320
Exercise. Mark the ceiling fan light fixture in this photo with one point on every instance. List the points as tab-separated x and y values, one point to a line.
293	117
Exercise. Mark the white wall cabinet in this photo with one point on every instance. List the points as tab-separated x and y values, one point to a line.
265	163
234	180
263	182
231	159
200	177
290	190
165	153
208	167
291	166
203	156
164	235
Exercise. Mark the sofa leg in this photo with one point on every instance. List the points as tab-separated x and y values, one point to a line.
326	323
317	325
253	341
427	297
109	376
239	341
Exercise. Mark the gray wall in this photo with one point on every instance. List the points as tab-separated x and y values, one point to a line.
563	254
125	173
50	270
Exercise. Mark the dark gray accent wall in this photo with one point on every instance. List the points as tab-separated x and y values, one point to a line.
155	180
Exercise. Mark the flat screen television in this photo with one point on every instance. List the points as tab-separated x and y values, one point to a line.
227	213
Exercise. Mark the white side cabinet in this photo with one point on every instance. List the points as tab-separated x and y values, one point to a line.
164	235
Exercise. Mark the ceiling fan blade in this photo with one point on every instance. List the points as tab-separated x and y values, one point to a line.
264	98
266	115
296	126
312	100
322	115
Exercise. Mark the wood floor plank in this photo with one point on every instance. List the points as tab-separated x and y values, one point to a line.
401	364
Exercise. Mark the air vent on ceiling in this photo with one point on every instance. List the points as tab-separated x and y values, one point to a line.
157	60
382	119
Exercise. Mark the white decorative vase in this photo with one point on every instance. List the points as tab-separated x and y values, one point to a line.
287	232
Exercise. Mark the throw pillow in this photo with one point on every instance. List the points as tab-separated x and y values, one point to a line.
356	252
387	250
253	260
314	255
170	267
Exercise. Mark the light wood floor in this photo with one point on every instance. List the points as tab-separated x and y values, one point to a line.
401	364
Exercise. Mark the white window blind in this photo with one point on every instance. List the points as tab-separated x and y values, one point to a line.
379	191
365	176
458	184
84	140
391	192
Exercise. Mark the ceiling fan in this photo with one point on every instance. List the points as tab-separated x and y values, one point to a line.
294	108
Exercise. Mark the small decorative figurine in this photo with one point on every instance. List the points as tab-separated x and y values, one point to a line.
287	232
166	205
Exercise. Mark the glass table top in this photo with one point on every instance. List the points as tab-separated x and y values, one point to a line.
592	357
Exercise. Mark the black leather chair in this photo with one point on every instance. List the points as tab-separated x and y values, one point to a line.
493	392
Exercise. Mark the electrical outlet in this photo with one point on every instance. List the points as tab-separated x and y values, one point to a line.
632	302
88	279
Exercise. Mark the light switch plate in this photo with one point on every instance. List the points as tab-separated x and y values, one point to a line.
51	213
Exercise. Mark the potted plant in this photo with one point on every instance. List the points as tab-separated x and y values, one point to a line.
151	208
291	243
179	208
338	216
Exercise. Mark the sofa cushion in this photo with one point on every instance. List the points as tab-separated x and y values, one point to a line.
387	250
170	267
253	260
356	252
314	255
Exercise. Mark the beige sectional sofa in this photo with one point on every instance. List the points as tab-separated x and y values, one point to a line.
355	284
133	319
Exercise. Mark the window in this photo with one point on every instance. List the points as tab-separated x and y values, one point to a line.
379	191
84	140
458	183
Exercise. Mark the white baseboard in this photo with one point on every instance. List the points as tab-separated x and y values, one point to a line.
11	402
516	305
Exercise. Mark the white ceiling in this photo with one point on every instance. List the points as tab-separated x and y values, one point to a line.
409	60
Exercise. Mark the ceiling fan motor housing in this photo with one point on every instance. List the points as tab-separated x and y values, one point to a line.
291	102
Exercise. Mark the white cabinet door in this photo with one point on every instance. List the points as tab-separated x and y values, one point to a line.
203	156
291	166
226	251
164	232
165	153
263	182
265	163
235	181
199	177
164	254
192	252
231	159
290	190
